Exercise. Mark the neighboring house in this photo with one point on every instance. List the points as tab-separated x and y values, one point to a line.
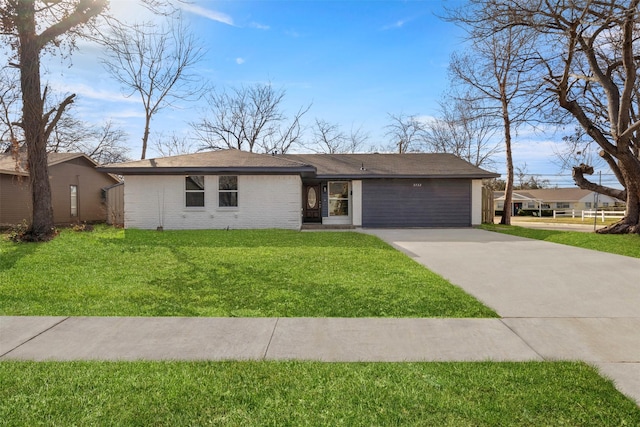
237	189
555	199
76	189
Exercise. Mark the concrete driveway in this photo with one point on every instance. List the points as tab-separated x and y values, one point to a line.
566	303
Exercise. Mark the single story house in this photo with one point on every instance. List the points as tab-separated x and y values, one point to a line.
76	189
238	189
566	199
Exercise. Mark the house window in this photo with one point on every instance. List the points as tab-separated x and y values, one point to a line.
546	206
227	191
605	204
194	191
74	200
587	205
562	205
339	198
531	205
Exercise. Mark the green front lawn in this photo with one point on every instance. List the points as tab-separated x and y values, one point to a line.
256	273
310	394
626	244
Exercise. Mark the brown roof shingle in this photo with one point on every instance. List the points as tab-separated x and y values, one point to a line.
347	166
375	165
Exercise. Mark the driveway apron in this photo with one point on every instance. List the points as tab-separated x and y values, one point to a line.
566	303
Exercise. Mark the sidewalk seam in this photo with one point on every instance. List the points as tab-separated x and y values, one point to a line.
34	337
266	350
521	338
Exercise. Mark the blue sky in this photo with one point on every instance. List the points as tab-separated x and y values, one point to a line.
355	61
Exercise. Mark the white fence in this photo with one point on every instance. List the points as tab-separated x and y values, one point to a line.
588	214
602	214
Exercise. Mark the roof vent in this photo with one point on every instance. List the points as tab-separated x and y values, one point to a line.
362	168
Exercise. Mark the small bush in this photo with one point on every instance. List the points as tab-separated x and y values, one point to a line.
82	227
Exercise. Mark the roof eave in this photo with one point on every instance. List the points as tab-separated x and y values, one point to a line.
207	170
392	176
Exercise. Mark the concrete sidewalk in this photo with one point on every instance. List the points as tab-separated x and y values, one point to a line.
557	303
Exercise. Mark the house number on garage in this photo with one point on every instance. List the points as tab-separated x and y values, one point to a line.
415	184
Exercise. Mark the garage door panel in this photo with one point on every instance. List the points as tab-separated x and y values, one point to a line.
416	203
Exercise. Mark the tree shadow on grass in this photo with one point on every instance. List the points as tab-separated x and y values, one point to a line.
247	238
11	253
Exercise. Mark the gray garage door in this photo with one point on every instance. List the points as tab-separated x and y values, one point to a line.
416	203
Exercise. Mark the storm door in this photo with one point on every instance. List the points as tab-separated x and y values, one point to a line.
312	203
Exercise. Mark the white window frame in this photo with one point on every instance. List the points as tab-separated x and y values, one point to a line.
194	191
73	195
236	191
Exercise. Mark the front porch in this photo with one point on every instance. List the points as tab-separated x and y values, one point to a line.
331	204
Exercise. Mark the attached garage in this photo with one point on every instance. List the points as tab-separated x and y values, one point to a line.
416	203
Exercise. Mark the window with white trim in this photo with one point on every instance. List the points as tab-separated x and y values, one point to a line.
227	191
194	191
73	190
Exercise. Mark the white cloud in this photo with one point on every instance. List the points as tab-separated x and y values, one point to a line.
398	24
240	61
209	14
85	91
259	26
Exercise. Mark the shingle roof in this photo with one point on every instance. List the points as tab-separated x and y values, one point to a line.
375	165
346	166
551	194
211	162
8	162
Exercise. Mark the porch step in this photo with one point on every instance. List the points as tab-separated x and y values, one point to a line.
313	226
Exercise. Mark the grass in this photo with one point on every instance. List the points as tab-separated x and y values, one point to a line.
620	244
310	394
217	273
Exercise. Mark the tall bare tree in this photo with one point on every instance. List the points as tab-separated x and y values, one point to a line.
590	54
103	143
463	129
329	138
249	118
156	63
405	132
31	27
498	74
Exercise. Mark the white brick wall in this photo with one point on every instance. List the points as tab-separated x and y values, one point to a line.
264	201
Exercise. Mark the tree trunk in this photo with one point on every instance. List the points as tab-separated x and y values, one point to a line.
508	190
42	226
145	137
631	221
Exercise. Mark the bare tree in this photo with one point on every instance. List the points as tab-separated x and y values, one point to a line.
329	138
463	129
249	118
527	181
498	75
406	132
576	149
11	134
104	144
174	145
155	63
31	27
589	51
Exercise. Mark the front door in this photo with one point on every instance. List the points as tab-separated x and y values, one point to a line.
312	203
